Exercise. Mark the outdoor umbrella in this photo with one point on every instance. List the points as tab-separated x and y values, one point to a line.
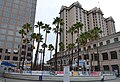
8	64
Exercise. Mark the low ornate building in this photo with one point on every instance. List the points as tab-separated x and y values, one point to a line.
108	49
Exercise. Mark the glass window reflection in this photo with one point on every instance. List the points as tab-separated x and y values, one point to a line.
2	37
10	32
8	45
2	31
9	38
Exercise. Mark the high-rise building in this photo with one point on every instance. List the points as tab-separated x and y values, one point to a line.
13	14
90	19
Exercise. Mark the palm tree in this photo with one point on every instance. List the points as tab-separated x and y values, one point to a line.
39	25
38	38
71	30
57	22
47	29
82	39
22	32
40	51
95	35
50	48
27	29
69	47
62	48
43	46
78	26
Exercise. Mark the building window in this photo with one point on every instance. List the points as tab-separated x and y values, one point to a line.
94	57
86	56
15	51
2	37
105	56
10	38
1	50
23	53
8	45
94	45
79	49
64	62
113	54
106	67
8	51
23	46
89	47
21	59
101	43
7	58
58	62
15	58
115	67
115	39
28	59
80	57
2	31
29	49
108	42
75	50
29	54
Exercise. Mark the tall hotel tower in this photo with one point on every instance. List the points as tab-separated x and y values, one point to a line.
90	19
13	14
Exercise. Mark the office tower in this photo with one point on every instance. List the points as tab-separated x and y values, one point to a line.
13	14
90	19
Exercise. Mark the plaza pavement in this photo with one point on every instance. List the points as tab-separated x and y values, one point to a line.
16	80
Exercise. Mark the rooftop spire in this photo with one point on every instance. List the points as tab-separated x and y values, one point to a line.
98	4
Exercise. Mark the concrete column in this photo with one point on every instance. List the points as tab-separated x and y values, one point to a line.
109	55
118	54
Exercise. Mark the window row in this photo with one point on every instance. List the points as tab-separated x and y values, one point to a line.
9	51
8	58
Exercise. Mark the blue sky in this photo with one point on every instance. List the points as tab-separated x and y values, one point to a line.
48	9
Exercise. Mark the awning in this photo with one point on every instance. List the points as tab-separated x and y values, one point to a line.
8	64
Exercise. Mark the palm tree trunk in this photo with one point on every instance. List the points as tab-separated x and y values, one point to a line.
31	63
36	56
50	61
40	62
26	51
61	63
25	55
72	53
19	55
23	61
78	56
56	51
44	52
98	61
78	53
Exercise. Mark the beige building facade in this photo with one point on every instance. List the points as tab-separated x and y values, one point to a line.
90	19
108	50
